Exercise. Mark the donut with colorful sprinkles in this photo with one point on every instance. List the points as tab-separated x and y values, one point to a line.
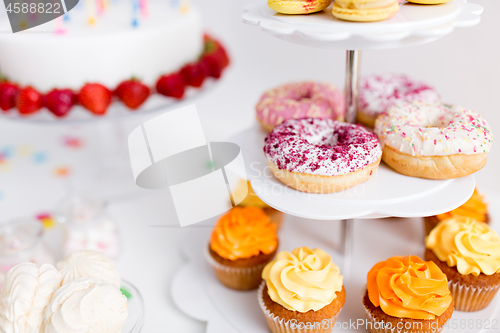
321	155
433	141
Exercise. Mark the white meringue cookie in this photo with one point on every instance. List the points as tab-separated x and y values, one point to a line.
26	293
88	264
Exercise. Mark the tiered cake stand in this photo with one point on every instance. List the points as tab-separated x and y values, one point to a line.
387	194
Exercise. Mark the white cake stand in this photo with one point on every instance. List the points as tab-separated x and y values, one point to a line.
195	289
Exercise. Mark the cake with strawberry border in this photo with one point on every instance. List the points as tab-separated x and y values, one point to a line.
92	65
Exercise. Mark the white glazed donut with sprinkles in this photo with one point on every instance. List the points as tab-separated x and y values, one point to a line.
321	155
435	141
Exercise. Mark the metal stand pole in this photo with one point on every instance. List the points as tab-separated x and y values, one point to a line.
351	109
351	85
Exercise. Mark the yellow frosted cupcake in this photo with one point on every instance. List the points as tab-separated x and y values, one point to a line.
468	252
475	208
302	291
252	200
406	294
242	243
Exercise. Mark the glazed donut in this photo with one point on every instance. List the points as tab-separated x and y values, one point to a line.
378	92
321	155
434	141
299	100
298	6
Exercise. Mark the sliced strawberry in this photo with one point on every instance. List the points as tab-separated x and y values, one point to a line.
29	101
8	93
59	101
213	65
194	74
171	85
95	97
132	93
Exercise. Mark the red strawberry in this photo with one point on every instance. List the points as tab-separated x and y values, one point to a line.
8	93
194	74
95	97
171	85
29	101
59	101
212	65
132	93
221	52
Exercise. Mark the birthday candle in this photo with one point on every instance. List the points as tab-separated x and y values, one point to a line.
100	7
144	8
91	11
135	9
60	29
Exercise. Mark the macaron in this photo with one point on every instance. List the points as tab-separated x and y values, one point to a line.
298	6
428	2
365	10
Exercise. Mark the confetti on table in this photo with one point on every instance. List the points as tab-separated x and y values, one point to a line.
25	150
73	142
61	171
39	158
5	165
47	221
126	293
6	152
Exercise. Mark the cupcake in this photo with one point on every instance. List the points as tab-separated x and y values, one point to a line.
252	200
242	243
406	294
302	291
468	252
475	208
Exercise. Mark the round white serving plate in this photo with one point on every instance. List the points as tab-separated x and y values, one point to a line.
386	193
412	25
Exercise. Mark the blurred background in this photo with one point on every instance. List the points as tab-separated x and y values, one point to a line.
39	164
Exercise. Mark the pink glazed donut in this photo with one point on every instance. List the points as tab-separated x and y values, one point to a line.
320	155
299	100
379	92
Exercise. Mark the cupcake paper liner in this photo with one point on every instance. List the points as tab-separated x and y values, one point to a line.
470	298
238	278
376	326
279	325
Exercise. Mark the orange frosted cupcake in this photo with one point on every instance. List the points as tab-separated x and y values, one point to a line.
252	200
302	291
407	295
475	208
468	252
242	243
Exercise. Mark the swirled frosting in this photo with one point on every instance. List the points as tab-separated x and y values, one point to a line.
302	280
26	293
408	287
420	129
86	305
469	245
88	264
242	233
475	208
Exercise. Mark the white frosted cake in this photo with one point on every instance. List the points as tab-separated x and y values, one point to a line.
109	51
125	54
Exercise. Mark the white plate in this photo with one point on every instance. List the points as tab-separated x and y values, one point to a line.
386	193
198	293
412	25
